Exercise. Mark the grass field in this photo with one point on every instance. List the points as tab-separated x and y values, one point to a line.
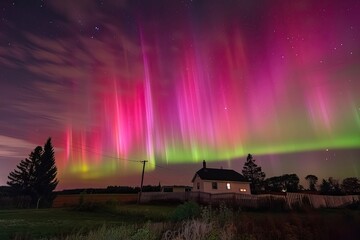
32	223
222	223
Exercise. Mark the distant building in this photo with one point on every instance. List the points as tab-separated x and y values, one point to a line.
213	180
175	188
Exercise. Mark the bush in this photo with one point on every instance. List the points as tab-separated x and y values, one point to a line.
186	211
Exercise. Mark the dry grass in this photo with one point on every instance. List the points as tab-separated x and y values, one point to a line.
215	223
189	230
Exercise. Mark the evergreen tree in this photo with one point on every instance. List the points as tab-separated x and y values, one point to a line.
35	176
19	178
22	179
254	174
45	175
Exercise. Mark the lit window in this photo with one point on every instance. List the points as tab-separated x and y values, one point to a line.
228	186
214	185
242	190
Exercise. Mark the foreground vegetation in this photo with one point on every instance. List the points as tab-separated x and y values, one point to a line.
186	221
45	223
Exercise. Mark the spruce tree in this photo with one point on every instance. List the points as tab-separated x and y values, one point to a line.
254	174
19	179
45	175
22	179
36	176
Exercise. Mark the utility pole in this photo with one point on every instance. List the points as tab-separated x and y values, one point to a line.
142	180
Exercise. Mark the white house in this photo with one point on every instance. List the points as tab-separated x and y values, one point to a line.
213	180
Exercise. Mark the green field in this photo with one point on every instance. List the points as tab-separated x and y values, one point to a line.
37	223
224	222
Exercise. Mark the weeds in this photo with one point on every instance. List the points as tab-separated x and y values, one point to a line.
223	223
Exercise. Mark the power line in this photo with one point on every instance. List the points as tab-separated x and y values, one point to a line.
104	155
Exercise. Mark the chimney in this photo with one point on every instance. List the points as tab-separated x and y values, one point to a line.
204	164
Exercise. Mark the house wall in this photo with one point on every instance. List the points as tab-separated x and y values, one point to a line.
201	183
235	187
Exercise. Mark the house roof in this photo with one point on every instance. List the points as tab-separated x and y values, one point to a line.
219	174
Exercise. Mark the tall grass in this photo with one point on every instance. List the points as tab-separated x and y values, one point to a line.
225	223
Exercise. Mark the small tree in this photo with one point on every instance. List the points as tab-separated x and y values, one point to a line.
312	179
291	182
351	185
274	184
286	182
253	173
330	187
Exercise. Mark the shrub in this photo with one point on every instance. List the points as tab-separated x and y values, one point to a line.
186	211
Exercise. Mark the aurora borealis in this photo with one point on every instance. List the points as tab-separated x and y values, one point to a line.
176	82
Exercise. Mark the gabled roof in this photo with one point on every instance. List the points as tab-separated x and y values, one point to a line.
219	174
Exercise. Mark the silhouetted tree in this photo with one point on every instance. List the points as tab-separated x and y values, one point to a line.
22	179
4	191
274	184
330	187
45	175
35	176
312	179
351	185
291	182
284	183
254	174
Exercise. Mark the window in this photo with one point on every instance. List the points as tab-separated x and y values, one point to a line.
198	185
228	186
214	185
242	190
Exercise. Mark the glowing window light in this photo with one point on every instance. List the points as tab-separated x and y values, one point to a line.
228	186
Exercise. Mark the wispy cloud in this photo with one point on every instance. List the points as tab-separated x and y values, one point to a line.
73	64
14	147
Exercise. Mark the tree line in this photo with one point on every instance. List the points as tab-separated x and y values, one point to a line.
34	180
290	182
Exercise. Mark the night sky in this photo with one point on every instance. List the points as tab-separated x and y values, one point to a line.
176	82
